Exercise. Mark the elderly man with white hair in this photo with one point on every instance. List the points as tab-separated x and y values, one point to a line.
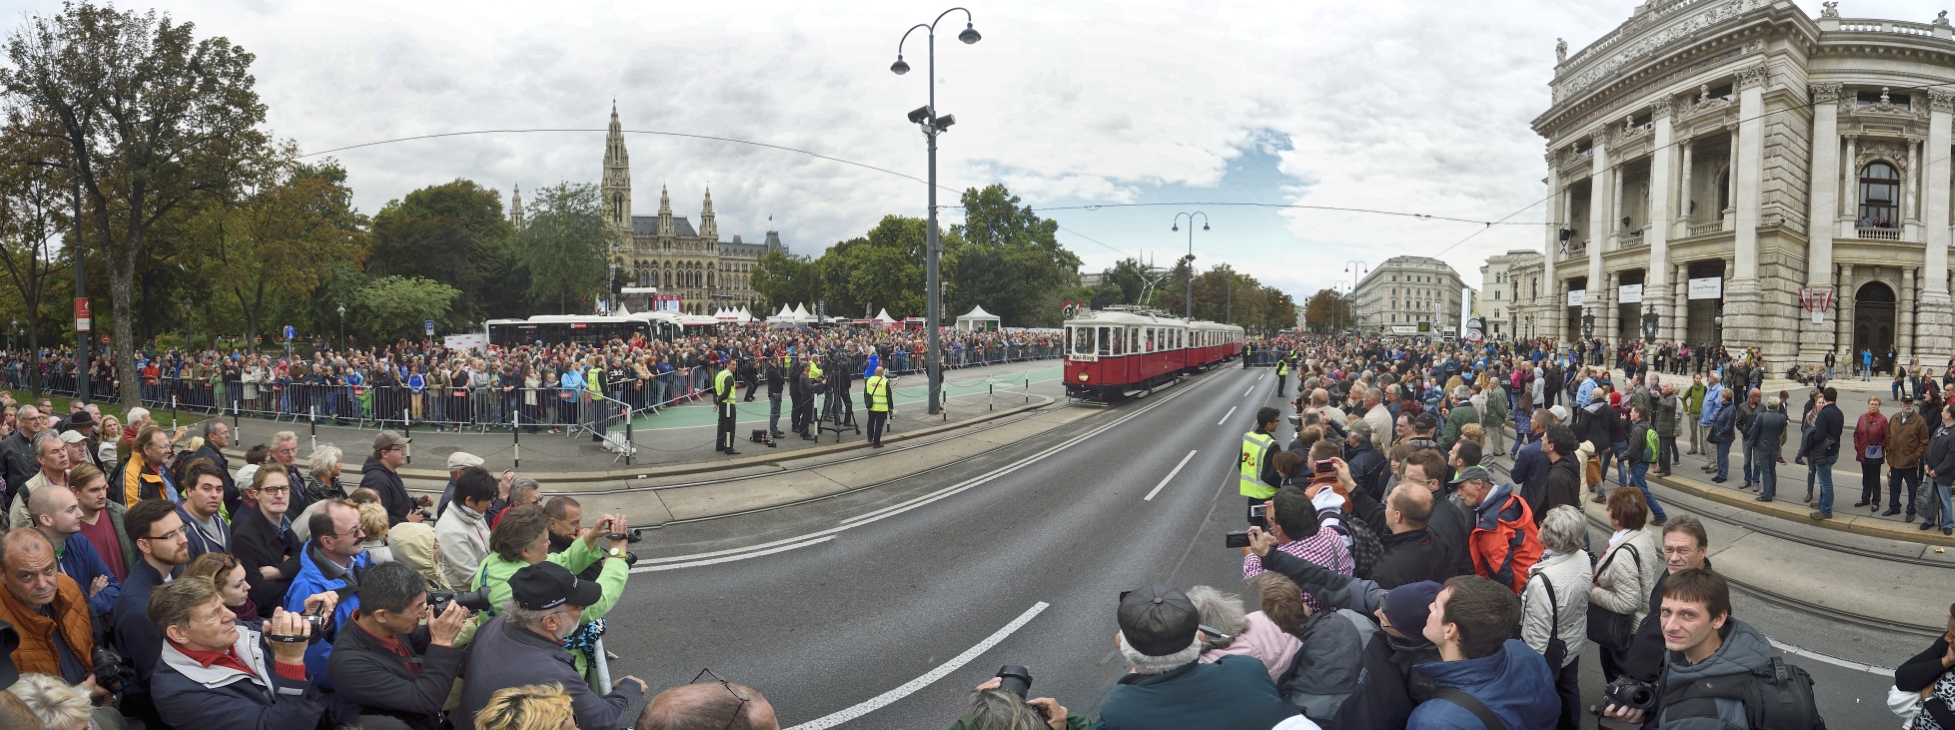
51	456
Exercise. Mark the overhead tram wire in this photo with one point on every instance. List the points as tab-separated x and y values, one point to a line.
1333	208
1564	188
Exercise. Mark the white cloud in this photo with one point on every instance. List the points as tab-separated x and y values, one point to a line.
1413	106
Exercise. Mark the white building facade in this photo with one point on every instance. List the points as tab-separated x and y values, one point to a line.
1500	292
1405	292
1716	163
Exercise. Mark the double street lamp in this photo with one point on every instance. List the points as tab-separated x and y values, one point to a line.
1190	296
932	125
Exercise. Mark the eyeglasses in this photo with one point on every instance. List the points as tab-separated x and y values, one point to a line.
268	490
357	532
178	532
739	710
1679	551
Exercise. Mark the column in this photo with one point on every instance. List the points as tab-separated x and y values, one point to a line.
1616	230
1934	315
1816	339
1557	220
1598	211
1848	351
1730	212
1680	324
1743	314
1849	192
1657	233
1910	202
1684	216
1904	335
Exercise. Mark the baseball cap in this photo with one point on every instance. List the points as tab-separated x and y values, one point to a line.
1408	606
1560	413
390	439
463	460
1157	620
80	418
72	437
1425	421
1472	472
548	585
1358	427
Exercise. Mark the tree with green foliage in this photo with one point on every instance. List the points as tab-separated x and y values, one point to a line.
783	279
151	119
268	237
34	211
1008	261
880	270
454	233
562	247
397	306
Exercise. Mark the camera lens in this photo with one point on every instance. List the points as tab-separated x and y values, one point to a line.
1015	679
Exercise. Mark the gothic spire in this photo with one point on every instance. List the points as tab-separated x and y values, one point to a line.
665	227
516	207
708	228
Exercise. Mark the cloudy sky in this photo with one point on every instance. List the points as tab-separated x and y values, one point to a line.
1409	107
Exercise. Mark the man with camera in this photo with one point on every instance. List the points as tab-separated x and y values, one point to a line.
48	609
388	663
522	539
1713	668
1167	688
524	645
334	560
213	671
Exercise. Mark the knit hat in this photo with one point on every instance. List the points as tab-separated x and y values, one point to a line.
1408	606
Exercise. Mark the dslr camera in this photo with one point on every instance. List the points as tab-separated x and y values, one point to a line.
475	600
1628	692
111	672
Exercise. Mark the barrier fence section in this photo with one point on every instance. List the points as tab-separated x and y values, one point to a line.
478	405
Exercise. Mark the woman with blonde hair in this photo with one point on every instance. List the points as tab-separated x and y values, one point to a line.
530	707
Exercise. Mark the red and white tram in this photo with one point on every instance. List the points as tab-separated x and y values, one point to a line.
1117	350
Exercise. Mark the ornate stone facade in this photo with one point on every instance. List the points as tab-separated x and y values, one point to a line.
664	251
1405	292
1717	158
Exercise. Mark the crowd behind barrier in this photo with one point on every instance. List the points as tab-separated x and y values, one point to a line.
526	386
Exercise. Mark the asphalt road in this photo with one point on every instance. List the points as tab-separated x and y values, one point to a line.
883	608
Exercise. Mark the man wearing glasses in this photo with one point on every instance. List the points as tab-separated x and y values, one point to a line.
334	559
524	646
146	475
158	532
1685	547
17	451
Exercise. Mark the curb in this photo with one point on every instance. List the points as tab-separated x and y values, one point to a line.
1856	524
547	479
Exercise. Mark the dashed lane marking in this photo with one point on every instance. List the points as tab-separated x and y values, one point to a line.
1170	476
887	698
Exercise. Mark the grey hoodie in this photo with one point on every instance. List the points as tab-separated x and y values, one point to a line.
1744	650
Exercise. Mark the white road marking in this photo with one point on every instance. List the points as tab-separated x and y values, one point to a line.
1259	378
1835	661
740	555
1225	416
767	548
885	699
1170	476
1246	393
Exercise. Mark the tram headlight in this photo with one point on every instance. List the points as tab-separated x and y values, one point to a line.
1082	377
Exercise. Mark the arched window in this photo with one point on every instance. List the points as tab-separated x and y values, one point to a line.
1880	195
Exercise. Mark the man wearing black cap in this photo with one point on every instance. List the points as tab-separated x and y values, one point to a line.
1167	688
523	645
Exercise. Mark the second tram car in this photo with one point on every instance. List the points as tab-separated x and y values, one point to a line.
1118	350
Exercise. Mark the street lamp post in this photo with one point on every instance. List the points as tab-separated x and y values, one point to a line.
932	125
1189	296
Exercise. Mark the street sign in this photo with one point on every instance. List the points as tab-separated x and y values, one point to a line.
430	327
81	314
290	333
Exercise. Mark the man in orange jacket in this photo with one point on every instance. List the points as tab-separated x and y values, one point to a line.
1505	542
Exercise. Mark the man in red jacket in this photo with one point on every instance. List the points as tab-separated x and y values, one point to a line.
1870	448
1505	542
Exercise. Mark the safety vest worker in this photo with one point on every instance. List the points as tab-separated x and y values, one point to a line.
875	390
723	385
1282	376
1257	448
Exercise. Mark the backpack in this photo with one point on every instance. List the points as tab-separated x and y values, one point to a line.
1366	548
1778	697
1652	450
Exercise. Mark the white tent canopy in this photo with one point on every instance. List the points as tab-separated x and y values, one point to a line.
978	319
883	317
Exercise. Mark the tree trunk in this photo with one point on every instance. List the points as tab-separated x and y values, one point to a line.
34	349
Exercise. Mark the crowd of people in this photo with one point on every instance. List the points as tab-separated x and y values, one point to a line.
534	386
168	589
1390	578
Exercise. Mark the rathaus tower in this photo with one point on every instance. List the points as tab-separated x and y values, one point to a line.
617	186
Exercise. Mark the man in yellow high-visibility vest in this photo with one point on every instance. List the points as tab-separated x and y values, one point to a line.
875	395
723	394
1282	376
1259	477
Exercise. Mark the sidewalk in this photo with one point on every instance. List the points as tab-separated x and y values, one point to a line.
675	441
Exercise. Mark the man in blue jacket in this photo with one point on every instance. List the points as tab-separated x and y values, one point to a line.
58	516
1168	689
1482	671
333	561
1712	403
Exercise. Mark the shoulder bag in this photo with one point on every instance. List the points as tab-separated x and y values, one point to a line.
1610	630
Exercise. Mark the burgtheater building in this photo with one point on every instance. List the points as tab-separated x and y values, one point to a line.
1712	164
